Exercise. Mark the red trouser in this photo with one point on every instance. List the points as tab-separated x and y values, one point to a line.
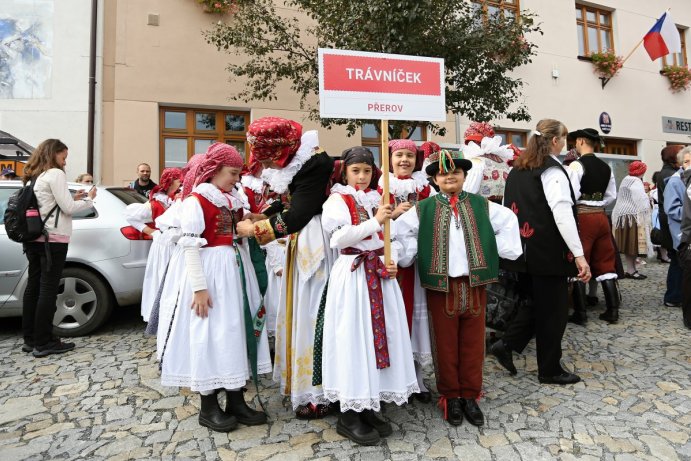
596	237
458	334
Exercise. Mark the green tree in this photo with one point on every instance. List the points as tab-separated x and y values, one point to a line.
275	44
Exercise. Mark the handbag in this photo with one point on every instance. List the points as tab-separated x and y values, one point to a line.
655	232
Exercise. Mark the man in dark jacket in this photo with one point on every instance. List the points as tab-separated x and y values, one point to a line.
670	166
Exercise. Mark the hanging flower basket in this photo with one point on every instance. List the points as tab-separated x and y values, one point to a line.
218	6
606	64
679	77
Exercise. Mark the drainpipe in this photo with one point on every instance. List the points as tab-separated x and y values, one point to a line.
458	129
92	89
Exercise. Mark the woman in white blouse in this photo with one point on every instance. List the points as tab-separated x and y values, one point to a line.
46	166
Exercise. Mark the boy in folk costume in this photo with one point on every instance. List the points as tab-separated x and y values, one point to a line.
457	238
407	186
367	356
294	164
594	188
143	218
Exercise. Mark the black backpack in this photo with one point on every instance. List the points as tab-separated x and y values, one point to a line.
23	221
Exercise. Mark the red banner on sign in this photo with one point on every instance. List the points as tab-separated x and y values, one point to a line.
381	75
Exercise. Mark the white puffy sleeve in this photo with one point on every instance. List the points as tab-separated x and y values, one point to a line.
336	221
138	215
558	194
473	179
505	225
406	227
575	171
169	223
192	226
275	254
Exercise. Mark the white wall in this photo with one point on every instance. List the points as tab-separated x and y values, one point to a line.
63	114
636	98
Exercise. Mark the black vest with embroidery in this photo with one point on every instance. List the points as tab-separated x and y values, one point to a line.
596	174
544	250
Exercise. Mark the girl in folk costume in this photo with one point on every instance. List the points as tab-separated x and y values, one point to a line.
408	185
261	197
211	321
294	164
457	238
631	221
143	218
366	352
489	158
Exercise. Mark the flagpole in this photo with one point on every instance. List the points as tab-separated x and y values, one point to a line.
385	189
632	51
639	43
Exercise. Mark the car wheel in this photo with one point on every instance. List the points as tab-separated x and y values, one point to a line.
84	303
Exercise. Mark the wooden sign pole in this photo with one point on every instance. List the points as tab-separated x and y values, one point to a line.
385	189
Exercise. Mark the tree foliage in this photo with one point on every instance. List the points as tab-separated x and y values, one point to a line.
276	43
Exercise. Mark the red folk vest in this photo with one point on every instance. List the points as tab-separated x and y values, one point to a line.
219	223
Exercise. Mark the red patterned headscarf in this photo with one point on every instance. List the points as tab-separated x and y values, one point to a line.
252	168
427	148
190	173
274	138
478	130
168	176
398	144
218	155
516	153
637	168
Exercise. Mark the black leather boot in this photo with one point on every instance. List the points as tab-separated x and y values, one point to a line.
579	316
237	407
610	288
504	356
212	416
377	421
350	425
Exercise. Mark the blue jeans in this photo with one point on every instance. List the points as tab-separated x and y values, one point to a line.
674	279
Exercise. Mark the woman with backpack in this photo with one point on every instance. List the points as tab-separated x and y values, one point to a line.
46	167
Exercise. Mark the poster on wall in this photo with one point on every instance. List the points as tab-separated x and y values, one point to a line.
26	49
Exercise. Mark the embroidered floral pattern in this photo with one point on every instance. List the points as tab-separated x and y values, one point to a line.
526	231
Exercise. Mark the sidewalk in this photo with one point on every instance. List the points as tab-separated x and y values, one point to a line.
104	401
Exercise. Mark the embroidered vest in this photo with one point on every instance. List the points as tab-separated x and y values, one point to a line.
435	217
219	223
358	214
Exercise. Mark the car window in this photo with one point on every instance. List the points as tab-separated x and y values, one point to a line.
89	213
5	194
127	195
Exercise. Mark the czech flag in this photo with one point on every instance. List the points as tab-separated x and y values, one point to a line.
663	38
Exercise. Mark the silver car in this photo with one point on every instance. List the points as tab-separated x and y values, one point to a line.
105	262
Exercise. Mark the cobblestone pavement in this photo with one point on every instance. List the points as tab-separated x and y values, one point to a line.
104	401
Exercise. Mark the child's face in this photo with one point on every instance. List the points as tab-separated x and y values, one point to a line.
450	183
403	162
359	175
226	178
